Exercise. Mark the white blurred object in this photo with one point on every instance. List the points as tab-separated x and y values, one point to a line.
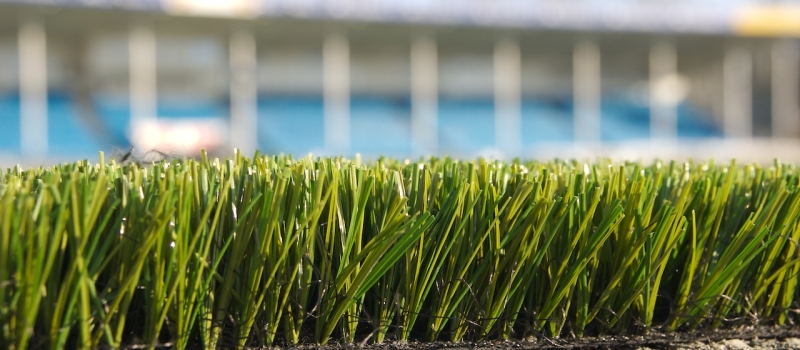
224	8
758	150
185	136
671	89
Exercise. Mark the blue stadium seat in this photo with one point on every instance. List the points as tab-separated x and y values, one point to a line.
694	123
9	124
115	113
292	125
466	125
192	108
623	120
545	121
380	126
67	135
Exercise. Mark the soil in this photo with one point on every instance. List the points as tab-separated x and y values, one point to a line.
787	337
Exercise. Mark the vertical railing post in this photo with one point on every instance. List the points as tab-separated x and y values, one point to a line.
738	93
336	91
243	92
33	89
785	89
586	85
424	96
142	65
507	97
663	90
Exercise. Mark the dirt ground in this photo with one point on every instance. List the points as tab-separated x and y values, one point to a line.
762	338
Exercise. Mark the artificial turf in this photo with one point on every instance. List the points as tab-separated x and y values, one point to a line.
271	250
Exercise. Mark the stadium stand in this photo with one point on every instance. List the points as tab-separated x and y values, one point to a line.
292	53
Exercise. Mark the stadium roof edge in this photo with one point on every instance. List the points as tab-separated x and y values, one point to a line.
737	17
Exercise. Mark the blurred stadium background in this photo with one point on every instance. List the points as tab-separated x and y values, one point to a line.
504	78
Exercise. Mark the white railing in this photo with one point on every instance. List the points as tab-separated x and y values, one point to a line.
736	96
